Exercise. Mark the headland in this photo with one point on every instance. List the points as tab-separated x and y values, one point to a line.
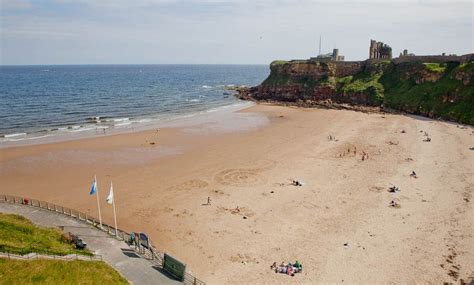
435	86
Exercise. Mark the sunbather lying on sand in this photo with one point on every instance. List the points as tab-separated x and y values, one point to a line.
289	268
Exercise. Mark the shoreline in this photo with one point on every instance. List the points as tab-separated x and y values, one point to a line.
256	217
182	120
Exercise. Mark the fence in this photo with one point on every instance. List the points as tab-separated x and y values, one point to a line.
35	255
151	253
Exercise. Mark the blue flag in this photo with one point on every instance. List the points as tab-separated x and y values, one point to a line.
94	187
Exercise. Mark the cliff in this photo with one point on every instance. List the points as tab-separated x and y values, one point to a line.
436	90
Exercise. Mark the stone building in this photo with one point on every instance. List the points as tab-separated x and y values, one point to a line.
379	50
405	53
334	56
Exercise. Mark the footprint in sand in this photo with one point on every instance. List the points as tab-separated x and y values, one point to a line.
244	177
240	177
243	258
190	185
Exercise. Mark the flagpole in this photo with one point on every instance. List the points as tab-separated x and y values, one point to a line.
98	204
115	216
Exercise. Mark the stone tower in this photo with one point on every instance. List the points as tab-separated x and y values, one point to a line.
379	50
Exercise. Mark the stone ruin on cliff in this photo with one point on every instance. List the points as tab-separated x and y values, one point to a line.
379	50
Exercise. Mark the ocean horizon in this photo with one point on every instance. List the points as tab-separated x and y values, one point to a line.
49	100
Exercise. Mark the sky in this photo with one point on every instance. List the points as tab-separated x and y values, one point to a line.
225	31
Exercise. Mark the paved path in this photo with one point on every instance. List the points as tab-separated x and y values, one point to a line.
116	253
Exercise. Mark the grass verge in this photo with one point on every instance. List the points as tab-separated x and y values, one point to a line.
57	272
20	236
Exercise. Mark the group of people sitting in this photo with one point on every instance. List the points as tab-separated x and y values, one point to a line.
290	268
296	183
393	189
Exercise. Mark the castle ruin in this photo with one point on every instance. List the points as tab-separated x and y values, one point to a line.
379	50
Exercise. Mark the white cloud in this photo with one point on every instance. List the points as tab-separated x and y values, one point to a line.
213	31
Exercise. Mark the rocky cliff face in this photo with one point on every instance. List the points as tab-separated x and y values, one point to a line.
306	80
432	89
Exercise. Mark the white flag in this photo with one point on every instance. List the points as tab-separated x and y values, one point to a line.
110	198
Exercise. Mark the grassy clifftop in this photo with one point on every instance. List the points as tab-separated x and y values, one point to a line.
19	235
436	90
57	272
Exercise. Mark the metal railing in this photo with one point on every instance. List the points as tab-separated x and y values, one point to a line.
151	253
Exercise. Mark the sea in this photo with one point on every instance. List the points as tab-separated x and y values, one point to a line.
47	101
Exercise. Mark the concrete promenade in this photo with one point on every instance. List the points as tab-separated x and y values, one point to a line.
116	253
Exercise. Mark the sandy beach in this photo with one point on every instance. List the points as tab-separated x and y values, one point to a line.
339	224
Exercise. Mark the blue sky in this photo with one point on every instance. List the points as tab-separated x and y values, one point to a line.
220	31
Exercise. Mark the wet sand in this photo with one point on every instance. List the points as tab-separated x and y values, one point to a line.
163	177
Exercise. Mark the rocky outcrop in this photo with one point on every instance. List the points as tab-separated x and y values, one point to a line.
467	77
308	80
437	90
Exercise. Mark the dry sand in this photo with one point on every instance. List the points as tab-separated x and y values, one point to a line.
160	189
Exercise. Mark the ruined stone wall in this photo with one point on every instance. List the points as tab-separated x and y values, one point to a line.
467	58
379	50
428	58
435	58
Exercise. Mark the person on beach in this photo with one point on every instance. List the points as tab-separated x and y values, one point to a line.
298	267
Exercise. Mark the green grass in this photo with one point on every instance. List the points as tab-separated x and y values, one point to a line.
466	67
57	272
435	67
363	83
383	62
344	80
277	79
19	235
279	62
447	98
395	85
